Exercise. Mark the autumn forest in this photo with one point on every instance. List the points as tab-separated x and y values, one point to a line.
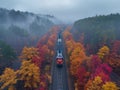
90	48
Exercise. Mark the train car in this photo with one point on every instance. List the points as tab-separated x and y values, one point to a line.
59	58
59	40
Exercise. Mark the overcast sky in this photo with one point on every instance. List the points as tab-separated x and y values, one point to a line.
65	10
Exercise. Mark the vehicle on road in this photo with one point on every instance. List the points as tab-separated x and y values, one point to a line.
59	58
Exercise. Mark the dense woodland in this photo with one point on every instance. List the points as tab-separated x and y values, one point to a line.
92	49
90	72
22	28
17	30
34	71
97	31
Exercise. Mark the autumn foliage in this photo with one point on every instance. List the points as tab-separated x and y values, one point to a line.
76	58
109	86
89	72
28	53
8	79
103	52
76	54
34	72
97	84
30	74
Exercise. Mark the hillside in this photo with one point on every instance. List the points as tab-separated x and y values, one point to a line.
97	31
25	20
20	29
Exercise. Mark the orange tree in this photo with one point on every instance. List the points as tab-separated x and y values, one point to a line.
76	58
30	74
46	51
8	79
76	55
28	53
97	84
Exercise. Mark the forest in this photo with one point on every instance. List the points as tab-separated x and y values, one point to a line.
91	49
23	27
93	46
19	29
97	31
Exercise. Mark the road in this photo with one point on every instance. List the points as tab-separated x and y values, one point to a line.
59	74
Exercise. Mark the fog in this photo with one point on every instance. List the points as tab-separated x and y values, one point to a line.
65	10
19	29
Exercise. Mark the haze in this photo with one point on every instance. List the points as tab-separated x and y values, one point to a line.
65	10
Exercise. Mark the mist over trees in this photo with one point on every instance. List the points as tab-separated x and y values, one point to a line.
90	50
22	28
19	29
7	56
97	31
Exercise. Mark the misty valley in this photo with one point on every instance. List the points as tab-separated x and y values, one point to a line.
40	52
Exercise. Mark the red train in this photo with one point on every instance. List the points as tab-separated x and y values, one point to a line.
59	59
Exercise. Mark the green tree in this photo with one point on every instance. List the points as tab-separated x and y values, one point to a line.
7	54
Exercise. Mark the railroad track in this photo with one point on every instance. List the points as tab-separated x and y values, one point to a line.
59	74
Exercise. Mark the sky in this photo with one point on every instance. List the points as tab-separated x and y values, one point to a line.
65	10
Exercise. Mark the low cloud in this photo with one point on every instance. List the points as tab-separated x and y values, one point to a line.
66	10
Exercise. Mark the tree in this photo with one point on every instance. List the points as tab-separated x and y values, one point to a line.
7	56
95	84
46	51
103	51
6	51
116	48
18	31
76	58
30	74
109	86
74	65
94	62
28	53
8	79
68	40
66	34
70	46
103	71
37	61
81	76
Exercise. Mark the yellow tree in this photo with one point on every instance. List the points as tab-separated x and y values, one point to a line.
8	79
76	58
109	86
96	84
78	51
74	65
103	51
30	74
70	46
66	34
28	53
